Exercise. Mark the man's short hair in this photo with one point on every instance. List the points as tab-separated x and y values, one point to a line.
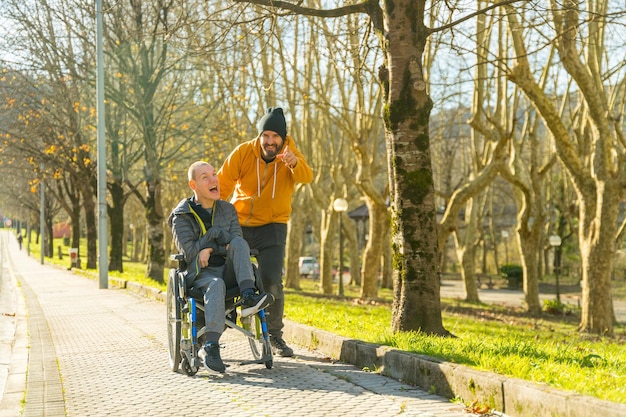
191	173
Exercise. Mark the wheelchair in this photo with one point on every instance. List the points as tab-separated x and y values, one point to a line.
185	316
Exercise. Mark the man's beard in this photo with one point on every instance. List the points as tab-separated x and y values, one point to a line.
270	154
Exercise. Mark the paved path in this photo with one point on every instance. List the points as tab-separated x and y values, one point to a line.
91	352
515	298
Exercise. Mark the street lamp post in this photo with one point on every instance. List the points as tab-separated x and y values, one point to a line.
555	242
505	237
340	205
103	229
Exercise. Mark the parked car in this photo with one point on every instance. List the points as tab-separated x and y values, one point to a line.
309	267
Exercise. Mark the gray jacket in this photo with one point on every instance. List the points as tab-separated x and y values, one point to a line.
187	230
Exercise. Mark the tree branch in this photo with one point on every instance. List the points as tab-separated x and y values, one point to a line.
471	15
370	7
307	11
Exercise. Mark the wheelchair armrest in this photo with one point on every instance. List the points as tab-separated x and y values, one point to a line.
180	258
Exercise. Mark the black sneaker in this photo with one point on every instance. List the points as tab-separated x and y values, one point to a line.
211	359
252	303
281	347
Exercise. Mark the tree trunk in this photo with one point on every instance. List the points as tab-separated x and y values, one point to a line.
48	246
89	208
597	255
356	278
530	248
531	221
75	220
295	236
373	249
116	217
326	258
467	261
387	261
416	303
136	239
154	215
466	241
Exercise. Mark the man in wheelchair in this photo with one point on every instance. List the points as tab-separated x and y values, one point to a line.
206	231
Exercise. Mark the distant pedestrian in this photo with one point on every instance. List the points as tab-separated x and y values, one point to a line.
19	240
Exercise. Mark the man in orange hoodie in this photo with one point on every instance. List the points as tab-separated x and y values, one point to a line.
261	175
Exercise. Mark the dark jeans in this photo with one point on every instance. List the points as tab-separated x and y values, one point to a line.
269	240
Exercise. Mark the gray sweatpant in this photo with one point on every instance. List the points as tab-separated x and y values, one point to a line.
213	281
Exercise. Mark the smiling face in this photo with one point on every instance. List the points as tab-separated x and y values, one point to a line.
271	144
204	183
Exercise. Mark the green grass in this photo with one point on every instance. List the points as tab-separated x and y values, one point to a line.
493	338
136	272
340	317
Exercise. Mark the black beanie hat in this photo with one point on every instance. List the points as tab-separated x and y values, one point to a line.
274	120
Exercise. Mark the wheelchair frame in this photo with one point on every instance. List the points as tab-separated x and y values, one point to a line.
182	328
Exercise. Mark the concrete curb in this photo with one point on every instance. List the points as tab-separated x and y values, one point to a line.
515	397
140	289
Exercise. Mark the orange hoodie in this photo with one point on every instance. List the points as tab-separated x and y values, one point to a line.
261	191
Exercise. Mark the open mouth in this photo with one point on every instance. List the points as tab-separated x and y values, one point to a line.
270	150
213	189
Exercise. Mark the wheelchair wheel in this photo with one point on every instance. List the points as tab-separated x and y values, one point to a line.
268	353
173	321
187	368
260	347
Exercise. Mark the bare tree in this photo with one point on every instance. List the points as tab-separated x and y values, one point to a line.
592	150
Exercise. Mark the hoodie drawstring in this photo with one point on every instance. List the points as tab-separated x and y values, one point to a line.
258	179
274	185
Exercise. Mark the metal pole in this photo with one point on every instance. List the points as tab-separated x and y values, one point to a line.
557	271
505	237
103	235
555	242
340	257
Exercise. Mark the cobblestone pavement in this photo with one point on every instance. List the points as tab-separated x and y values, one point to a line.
93	352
